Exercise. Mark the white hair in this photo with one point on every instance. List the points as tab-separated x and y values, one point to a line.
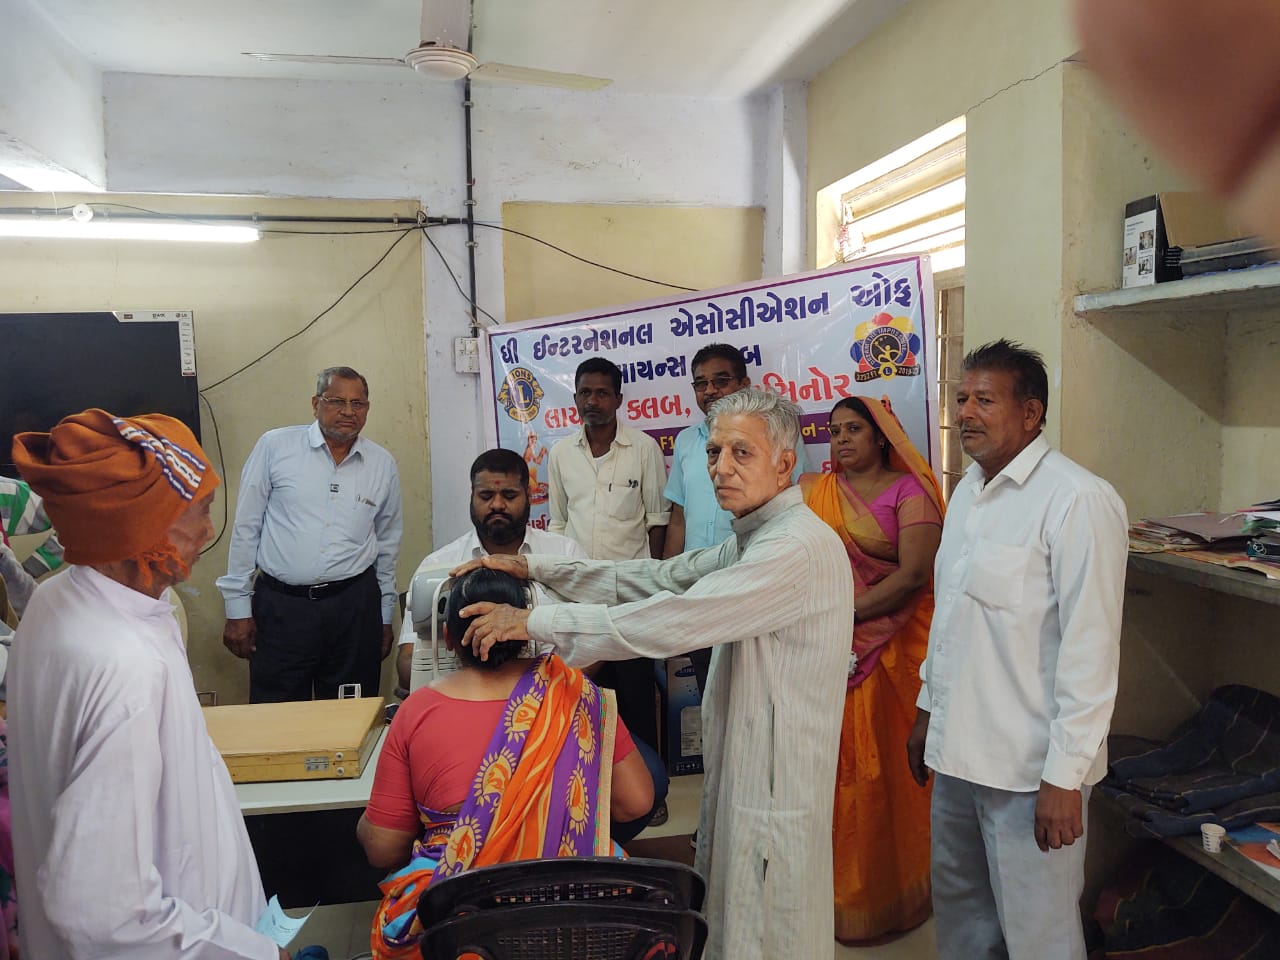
781	417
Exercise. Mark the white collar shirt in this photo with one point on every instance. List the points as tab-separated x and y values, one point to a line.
608	506
1020	677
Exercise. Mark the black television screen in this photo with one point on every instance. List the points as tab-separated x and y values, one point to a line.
55	364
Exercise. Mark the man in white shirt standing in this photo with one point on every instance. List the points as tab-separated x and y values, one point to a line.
127	835
1020	677
605	491
319	517
500	521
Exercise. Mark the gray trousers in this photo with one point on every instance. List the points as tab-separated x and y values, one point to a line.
996	895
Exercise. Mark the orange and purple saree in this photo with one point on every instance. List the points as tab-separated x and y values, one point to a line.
880	829
542	790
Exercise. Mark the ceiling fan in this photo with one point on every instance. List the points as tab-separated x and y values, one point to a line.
444	54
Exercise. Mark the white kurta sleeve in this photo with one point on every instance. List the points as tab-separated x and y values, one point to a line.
99	882
763	592
618	581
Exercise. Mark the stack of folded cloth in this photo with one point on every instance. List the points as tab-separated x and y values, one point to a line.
1222	766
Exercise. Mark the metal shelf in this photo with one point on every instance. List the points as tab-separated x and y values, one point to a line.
1254	289
1210	576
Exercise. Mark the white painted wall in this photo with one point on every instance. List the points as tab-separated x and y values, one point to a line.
50	100
786	231
406	140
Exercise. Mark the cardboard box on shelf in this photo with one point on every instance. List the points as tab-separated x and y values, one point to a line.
1159	227
683	717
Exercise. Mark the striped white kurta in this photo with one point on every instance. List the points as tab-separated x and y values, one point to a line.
776	600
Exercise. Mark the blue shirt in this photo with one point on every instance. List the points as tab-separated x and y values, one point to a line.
689	485
304	519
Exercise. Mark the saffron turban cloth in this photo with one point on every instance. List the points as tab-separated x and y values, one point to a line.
113	486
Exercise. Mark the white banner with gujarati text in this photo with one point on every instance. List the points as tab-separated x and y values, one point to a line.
859	329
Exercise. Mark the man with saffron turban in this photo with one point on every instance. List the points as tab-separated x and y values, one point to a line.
128	839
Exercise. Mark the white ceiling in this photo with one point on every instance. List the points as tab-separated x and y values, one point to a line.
715	48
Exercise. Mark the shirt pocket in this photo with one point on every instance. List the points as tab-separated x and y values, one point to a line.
357	515
622	500
997	573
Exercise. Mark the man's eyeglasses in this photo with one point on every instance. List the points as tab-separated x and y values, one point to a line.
355	406
719	382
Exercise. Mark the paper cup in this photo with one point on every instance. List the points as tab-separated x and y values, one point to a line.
1211	834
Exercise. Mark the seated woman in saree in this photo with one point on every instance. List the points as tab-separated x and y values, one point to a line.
883	501
512	758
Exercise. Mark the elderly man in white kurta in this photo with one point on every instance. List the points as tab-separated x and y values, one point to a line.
127	837
774	601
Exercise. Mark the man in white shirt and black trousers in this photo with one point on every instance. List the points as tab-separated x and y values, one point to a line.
319	517
1020	677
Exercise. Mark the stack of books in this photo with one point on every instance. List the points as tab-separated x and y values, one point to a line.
1247	539
1187	531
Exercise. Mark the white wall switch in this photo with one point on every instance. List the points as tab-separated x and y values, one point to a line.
466	354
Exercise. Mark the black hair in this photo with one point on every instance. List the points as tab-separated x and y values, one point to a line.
496	587
499	460
856	406
1030	380
721	351
599	365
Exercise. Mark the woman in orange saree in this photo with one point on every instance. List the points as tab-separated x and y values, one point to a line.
883	501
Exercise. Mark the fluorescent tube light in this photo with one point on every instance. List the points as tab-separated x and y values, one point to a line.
98	229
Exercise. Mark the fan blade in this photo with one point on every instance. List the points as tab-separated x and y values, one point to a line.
506	73
318	58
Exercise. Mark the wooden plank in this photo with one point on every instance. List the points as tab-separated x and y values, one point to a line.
1210	576
1233	867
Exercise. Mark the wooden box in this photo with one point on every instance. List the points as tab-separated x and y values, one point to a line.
305	740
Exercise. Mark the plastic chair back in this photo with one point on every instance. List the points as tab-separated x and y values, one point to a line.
563	880
597	930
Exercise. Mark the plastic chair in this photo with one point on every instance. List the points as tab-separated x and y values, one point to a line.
566	908
596	930
563	879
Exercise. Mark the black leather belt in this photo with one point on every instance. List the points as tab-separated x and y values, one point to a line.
314	591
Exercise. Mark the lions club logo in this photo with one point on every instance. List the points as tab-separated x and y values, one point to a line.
520	395
885	347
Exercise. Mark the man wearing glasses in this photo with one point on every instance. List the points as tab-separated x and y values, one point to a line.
319	517
696	518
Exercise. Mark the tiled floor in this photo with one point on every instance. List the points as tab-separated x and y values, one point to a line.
344	930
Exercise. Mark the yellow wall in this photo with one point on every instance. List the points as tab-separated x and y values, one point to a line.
1251	413
699	247
1173	408
940	59
245	299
